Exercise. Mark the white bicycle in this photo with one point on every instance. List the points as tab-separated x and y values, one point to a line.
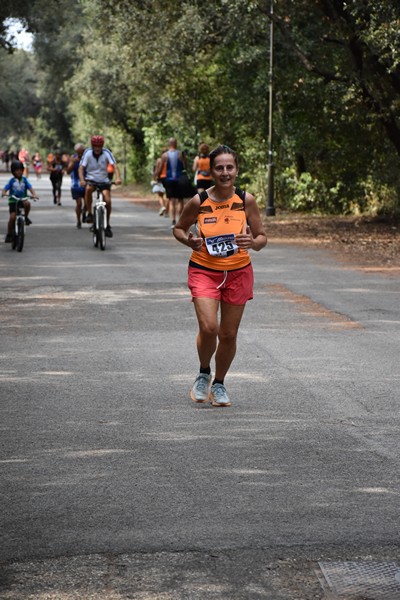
99	220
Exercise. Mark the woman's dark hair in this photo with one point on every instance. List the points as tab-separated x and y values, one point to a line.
222	149
204	149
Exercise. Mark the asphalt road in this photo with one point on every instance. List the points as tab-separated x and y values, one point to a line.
114	485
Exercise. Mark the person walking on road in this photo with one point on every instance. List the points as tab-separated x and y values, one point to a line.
37	164
158	184
220	274
175	163
201	168
56	169
77	191
23	156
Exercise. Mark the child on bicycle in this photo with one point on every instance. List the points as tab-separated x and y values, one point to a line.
17	187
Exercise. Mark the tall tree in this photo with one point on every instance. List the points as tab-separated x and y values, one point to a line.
18	102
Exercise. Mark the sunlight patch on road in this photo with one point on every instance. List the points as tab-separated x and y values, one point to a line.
25	278
35	376
95	452
377	490
54	297
310	308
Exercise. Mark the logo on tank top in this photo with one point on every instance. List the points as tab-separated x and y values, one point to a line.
210	220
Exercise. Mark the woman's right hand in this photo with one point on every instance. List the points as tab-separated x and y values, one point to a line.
195	242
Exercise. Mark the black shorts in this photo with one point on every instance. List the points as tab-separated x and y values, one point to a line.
204	184
12	207
102	186
172	189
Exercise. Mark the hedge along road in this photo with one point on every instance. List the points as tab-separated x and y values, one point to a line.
103	455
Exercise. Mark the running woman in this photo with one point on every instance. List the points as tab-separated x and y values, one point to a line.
220	274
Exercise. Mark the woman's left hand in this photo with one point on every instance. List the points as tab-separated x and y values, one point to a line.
244	240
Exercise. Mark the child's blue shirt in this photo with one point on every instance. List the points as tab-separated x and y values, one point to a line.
17	187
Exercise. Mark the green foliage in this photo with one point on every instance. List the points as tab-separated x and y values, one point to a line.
308	194
140	72
18	102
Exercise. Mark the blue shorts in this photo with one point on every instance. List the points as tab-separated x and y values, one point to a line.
78	193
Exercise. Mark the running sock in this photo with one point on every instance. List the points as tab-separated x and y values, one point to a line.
206	370
221	381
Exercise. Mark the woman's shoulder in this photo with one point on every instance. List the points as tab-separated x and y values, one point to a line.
249	197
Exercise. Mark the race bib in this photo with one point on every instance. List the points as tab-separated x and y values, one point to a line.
221	245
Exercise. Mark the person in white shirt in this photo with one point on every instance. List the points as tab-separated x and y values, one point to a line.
93	172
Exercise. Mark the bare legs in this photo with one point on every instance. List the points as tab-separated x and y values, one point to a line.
89	199
214	337
175	207
163	202
78	210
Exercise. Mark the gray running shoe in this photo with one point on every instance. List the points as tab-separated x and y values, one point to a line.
201	387
218	395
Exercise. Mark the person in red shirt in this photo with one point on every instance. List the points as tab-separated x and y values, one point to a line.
23	156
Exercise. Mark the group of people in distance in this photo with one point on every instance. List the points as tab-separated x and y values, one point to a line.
220	224
24	157
168	172
170	178
89	168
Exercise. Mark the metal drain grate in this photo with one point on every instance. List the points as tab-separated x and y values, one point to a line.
367	580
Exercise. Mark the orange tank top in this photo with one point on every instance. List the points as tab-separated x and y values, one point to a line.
163	172
218	223
203	168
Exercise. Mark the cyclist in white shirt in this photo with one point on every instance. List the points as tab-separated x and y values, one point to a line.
93	172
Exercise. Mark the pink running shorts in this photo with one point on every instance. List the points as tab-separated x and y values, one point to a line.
232	287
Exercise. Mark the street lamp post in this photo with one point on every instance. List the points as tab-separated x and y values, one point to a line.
270	209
